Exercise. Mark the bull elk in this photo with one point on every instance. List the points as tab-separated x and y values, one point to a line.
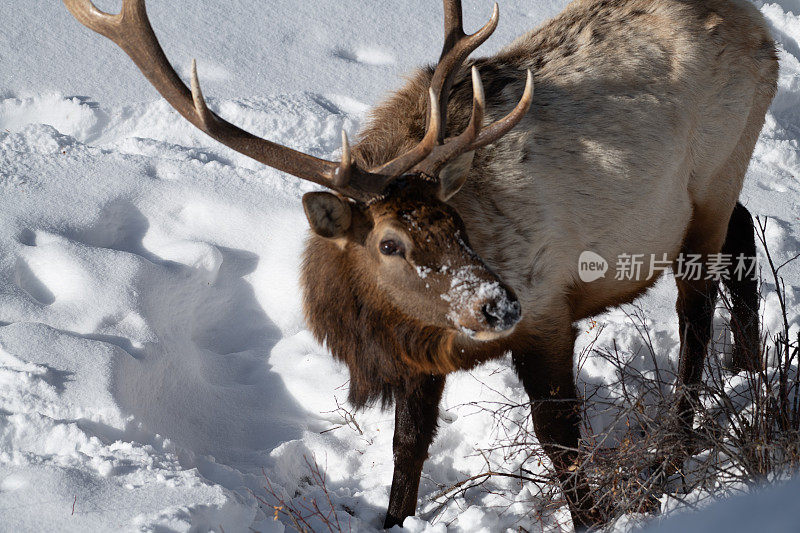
446	242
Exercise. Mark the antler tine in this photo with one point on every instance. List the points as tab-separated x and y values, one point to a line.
473	137
342	175
499	128
458	145
200	107
401	164
457	47
131	31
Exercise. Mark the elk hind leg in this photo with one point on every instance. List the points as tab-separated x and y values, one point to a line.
740	244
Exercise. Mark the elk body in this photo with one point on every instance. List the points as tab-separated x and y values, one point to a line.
448	242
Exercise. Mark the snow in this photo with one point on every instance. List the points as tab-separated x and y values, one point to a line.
770	509
153	353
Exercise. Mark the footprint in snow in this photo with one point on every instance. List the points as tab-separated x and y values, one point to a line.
772	186
366	55
27	280
51	271
27	237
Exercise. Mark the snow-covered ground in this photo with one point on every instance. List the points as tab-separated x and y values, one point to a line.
153	354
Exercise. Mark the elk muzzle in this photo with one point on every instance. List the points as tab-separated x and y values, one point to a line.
502	315
483	309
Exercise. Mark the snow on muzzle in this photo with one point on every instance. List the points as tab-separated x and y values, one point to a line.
481	306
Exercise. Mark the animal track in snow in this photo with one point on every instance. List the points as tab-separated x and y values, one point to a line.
780	239
119	226
13	482
72	116
27	280
27	237
367	55
772	186
50	271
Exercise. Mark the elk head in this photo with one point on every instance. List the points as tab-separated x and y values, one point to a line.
413	248
392	219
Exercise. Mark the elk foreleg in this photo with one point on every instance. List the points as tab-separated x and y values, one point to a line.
416	411
695	306
697	298
546	374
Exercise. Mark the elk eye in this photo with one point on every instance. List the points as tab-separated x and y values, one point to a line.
391	247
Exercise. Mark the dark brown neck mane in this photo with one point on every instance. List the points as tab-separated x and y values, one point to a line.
382	348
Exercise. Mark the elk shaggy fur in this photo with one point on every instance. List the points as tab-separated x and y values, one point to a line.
643	122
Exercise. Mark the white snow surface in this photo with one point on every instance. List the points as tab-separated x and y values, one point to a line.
154	362
768	509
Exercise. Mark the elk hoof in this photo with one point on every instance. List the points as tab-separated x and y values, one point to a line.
392	521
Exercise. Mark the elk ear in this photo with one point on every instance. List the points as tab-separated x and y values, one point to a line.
328	214
454	174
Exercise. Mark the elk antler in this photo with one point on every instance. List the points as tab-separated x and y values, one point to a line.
131	31
457	47
474	135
